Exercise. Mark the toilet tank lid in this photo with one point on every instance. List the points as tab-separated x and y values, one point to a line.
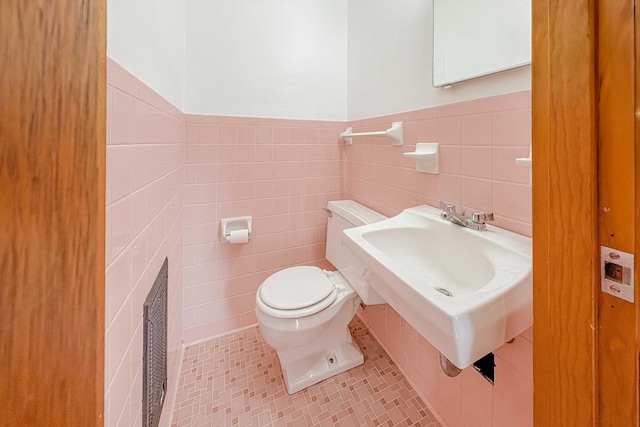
354	212
295	288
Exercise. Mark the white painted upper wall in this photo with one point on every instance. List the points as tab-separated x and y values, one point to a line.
301	59
268	58
147	38
390	46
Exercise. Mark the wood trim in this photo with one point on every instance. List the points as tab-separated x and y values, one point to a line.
616	318
100	67
565	215
636	30
52	205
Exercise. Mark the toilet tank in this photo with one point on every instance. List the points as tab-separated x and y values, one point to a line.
347	214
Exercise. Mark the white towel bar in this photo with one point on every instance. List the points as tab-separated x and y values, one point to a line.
395	132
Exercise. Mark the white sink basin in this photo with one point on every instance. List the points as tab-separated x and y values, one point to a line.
467	292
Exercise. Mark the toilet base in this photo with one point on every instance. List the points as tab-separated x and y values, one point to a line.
317	367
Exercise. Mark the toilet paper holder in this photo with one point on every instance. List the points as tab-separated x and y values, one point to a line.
228	225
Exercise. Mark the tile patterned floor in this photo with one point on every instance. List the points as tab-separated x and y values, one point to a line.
235	380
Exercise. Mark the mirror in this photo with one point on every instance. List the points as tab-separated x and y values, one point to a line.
473	38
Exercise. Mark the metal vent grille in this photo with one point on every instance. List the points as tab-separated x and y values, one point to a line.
154	370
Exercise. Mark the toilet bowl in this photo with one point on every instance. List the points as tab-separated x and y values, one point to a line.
304	312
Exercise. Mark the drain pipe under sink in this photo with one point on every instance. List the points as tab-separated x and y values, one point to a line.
449	368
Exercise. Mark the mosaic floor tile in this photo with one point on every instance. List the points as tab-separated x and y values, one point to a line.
235	380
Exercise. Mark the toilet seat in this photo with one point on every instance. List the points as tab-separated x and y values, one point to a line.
296	292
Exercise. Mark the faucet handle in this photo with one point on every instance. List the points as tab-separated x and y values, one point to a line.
481	217
448	207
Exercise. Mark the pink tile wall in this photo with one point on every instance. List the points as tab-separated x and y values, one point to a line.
282	173
468	399
145	174
172	177
479	141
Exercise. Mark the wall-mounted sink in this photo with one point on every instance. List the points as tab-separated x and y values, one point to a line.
467	292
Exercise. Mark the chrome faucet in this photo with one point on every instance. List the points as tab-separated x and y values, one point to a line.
477	220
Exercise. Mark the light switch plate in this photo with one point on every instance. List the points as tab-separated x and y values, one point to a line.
616	273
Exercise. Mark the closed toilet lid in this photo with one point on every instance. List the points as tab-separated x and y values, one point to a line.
295	288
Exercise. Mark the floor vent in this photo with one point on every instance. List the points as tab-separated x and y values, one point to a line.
154	370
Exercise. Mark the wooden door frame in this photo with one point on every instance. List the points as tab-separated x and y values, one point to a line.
52	211
564	187
585	342
636	22
617	358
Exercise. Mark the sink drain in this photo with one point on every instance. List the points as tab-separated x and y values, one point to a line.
332	360
443	291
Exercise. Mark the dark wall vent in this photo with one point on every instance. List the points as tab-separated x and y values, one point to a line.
154	370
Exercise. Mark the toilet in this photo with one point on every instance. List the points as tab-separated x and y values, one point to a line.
304	312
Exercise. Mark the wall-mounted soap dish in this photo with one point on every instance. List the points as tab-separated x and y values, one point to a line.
426	156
